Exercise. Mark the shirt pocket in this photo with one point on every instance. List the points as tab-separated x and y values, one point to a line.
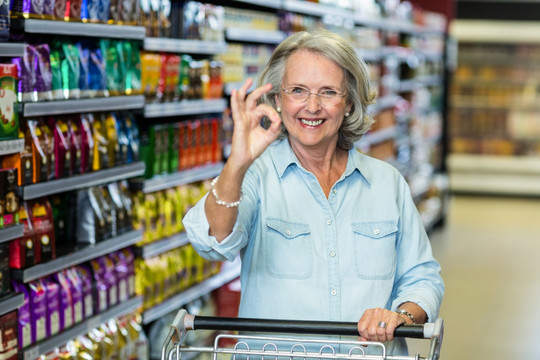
375	249
288	249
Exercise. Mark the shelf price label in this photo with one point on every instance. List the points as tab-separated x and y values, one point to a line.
32	353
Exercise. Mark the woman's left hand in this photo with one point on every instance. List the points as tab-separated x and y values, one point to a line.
379	324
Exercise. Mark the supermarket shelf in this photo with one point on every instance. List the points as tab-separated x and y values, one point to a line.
193	293
78	257
124	308
376	137
370	55
77	182
11	233
410	85
502	175
12	49
185	107
255	36
83	105
10	303
37	26
11	146
382	103
495	31
272	4
163	182
162	246
185	46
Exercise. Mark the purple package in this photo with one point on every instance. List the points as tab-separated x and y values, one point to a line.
122	276
28	8
52	293
85	276
110	277
43	74
48	9
38	311
27	76
76	294
25	338
66	308
128	256
101	294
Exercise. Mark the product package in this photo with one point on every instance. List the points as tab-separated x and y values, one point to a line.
43	74
9	114
5	275
24	320
74	136
62	152
22	250
87	142
21	161
4	21
43	223
66	300
8	334
9	198
52	294
38	311
40	158
85	275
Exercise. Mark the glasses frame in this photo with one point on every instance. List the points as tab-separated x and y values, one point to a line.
320	97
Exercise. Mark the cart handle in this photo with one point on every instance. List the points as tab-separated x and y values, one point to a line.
192	322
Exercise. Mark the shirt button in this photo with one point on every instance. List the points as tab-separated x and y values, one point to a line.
332	253
288	232
333	292
376	231
329	221
334	191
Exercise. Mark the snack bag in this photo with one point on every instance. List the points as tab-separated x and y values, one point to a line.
22	250
9	115
42	221
23	316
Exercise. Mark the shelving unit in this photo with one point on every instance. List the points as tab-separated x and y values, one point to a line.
184	177
10	303
193	293
9	49
11	146
11	233
83	181
185	46
185	107
494	126
113	103
43	347
78	257
162	246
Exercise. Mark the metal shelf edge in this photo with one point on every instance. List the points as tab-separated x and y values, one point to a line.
11	233
83	181
162	246
194	292
128	102
34	351
185	107
11	146
185	46
254	35
128	32
11	302
180	178
78	257
12	49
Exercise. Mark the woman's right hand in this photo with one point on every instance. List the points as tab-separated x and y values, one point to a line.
249	138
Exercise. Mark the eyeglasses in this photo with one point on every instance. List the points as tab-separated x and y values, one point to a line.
326	97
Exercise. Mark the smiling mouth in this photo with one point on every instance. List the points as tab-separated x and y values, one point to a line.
311	122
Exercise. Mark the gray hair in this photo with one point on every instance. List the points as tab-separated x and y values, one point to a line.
340	51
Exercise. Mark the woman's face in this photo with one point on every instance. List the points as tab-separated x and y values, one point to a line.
310	122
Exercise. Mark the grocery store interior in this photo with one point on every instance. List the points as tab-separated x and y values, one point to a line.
114	121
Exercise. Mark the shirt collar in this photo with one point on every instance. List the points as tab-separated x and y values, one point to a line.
283	157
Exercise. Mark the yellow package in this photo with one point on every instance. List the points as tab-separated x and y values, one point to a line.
111	134
152	226
150	74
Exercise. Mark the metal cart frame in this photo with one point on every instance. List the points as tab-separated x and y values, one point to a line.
296	347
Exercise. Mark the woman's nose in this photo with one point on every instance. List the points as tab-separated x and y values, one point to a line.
312	103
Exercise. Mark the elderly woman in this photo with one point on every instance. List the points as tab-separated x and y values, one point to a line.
324	232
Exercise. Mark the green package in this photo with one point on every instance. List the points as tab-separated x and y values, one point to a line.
71	71
9	105
110	54
174	146
56	58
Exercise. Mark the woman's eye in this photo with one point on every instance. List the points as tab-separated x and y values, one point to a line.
297	91
329	93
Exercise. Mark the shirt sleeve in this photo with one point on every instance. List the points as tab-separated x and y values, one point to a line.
418	277
197	227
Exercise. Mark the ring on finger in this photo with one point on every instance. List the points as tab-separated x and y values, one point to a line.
382	324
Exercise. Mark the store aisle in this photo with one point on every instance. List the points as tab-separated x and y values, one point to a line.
489	250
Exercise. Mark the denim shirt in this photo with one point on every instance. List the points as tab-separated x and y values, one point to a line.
308	257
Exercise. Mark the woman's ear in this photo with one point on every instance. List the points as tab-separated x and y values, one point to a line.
277	100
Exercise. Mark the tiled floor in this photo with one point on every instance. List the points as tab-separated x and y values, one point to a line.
489	250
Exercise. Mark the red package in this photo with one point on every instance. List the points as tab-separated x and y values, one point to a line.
40	212
22	250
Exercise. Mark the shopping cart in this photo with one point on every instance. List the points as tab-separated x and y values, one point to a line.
289	348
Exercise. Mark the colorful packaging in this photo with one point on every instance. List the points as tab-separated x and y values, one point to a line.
9	198
193	20
26	74
173	148
43	82
150	75
101	286
22	250
71	71
84	61
49	146
85	275
111	58
98	74
121	274
66	300
100	154
38	311
8	334
62	151
43	223
123	221
52	294
90	10
35	136
77	295
23	317
111	138
4	21
55	62
87	142
75	148
5	274
9	114
92	223
21	161
184	79
63	231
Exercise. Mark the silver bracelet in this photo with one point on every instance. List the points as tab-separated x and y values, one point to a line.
221	202
406	313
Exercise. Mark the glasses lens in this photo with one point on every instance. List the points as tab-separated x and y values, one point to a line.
329	98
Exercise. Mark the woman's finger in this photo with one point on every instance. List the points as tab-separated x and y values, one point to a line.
251	99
